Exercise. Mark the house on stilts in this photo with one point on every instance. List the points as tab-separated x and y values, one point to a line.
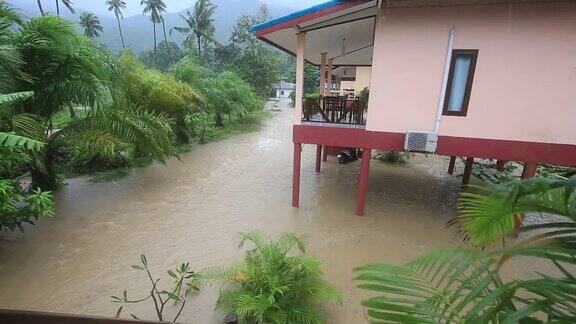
489	79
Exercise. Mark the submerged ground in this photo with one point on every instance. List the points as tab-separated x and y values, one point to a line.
191	209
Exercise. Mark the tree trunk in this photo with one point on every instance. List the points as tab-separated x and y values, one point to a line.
219	121
155	49
57	7
40	7
199	50
120	30
182	131
166	43
44	179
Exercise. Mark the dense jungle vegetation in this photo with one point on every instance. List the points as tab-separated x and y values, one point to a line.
68	106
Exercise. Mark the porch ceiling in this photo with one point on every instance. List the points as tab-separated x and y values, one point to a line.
346	34
345	71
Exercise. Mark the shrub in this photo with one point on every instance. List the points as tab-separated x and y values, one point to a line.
391	156
17	207
277	282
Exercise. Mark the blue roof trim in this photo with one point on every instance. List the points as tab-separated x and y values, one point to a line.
297	14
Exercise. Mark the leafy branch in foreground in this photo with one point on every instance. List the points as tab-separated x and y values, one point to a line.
277	282
459	285
184	283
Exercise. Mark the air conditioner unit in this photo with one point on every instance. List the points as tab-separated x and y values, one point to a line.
421	142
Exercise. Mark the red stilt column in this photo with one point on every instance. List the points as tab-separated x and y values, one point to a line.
296	175
530	170
467	171
363	186
325	153
500	165
451	165
318	157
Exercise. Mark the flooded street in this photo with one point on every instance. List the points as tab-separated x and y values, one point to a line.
191	210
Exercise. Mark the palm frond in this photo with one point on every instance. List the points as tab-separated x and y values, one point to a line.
441	286
30	125
13	140
490	214
14	97
254	237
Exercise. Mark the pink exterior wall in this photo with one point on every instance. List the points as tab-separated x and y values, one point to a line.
525	82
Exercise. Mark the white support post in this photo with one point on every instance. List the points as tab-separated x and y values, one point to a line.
300	49
323	73
329	78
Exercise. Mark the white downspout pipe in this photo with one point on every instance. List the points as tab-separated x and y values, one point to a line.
445	80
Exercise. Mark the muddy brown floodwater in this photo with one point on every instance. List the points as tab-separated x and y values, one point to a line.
191	210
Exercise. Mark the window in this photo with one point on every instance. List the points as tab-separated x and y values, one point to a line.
460	79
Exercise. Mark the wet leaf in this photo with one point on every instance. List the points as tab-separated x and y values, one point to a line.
171	295
172	274
118	312
143	258
137	267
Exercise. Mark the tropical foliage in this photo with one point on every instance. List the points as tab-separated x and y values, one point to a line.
277	282
159	93
91	24
117	6
165	59
463	285
69	69
199	25
18	207
69	106
226	93
154	9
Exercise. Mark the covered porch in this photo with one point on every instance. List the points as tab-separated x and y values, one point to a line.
338	37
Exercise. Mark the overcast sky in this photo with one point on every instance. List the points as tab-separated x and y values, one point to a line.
133	6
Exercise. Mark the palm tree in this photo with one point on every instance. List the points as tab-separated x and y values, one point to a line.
67	3
154	8
166	41
199	24
91	24
39	2
117	6
463	285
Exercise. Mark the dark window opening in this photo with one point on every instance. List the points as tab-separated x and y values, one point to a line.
460	78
